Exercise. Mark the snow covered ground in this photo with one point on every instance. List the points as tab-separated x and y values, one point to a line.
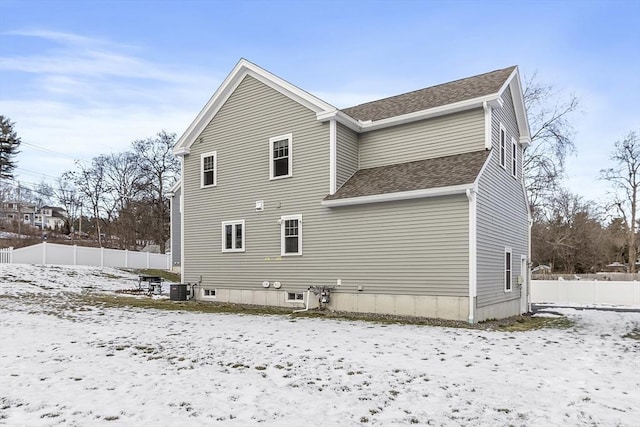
65	363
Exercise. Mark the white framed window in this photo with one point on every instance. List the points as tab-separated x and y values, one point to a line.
508	269
281	156
291	235
295	296
209	293
503	146
209	169
233	233
514	158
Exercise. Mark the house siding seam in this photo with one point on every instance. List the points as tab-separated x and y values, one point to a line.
502	218
438	137
347	154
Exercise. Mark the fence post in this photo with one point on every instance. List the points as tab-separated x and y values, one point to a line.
148	256
44	252
75	254
11	255
101	256
126	258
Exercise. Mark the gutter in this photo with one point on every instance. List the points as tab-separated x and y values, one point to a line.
401	195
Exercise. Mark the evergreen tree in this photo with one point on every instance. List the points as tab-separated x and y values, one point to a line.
9	143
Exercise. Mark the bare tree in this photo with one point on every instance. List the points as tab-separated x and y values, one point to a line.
551	139
625	179
160	170
90	183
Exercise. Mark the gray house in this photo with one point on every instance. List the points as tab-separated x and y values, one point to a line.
409	205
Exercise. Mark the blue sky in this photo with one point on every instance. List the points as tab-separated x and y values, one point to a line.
83	78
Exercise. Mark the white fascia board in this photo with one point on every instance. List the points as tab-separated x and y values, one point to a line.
430	113
181	151
402	195
333	156
229	85
517	96
339	117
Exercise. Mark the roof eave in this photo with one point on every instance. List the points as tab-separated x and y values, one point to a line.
401	195
456	107
229	85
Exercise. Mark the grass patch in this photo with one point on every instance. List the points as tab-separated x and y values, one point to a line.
512	324
633	334
528	323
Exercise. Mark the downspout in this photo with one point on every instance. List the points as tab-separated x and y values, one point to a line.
306	306
181	209
473	265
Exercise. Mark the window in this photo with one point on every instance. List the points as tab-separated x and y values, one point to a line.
291	235
514	158
281	156
209	169
295	296
503	146
507	269
209	292
233	236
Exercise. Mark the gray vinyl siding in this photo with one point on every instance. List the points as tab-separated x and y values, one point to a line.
176	228
346	154
414	247
502	218
426	139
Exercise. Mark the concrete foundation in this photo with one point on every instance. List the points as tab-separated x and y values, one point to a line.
498	311
442	307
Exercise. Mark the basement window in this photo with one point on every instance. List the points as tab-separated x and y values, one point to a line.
209	293
295	296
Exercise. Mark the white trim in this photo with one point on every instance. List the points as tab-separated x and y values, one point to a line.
507	250
473	254
487	125
213	154
242	69
401	195
502	147
333	165
233	225
524	288
282	221
514	158
182	198
289	138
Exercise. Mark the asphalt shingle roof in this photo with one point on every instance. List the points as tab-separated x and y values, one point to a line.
417	175
434	96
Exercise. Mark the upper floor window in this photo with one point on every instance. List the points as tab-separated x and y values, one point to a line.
508	266
503	147
291	235
209	169
281	156
514	158
233	236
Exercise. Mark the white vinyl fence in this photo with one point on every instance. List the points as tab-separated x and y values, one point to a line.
52	253
585	292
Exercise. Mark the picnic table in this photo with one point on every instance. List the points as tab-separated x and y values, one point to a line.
154	283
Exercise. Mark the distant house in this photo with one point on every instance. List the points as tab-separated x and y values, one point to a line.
50	218
14	211
409	205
